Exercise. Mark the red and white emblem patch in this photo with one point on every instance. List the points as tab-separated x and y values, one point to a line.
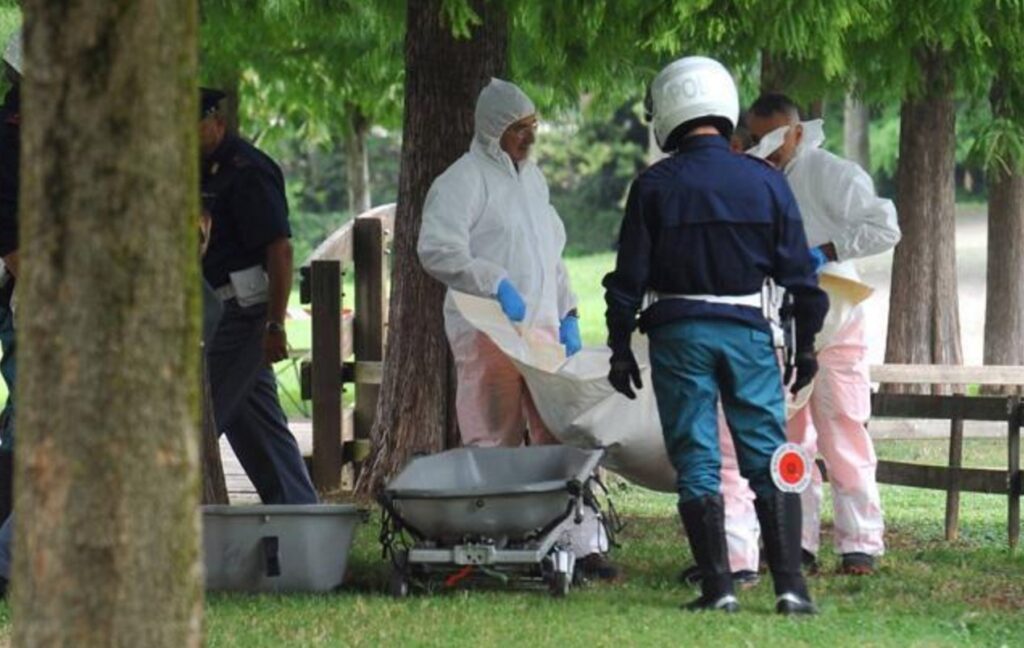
791	468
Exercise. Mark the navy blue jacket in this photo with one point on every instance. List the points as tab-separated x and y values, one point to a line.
708	221
243	189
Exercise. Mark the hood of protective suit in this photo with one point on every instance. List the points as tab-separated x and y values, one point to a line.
499	105
814	137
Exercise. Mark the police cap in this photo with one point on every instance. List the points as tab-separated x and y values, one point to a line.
209	100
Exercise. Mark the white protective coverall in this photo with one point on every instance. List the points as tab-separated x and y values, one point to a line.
485	220
838	203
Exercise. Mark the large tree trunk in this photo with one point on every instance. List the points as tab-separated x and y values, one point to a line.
107	537
1004	298
357	160
443	77
856	131
924	321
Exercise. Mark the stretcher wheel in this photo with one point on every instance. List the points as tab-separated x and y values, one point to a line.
398	579
560	584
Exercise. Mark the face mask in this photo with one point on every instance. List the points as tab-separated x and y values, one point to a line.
769	143
814	136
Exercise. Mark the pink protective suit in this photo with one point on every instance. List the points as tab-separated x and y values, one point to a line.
832	423
492	402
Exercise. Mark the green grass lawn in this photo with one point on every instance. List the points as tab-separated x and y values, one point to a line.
927	593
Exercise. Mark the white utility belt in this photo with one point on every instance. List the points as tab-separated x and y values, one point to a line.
754	300
249	287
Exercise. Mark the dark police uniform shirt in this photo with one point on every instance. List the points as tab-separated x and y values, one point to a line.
9	152
243	189
708	221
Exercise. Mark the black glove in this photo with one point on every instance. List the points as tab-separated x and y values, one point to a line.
625	371
805	365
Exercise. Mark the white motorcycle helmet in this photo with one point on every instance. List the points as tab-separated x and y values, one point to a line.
691	88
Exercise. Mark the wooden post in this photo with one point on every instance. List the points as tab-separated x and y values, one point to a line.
956	460
1013	466
370	315
326	374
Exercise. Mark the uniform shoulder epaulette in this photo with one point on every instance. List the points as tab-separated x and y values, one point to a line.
241	161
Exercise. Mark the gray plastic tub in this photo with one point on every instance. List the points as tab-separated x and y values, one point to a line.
278	548
489	492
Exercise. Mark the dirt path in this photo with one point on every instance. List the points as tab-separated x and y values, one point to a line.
971	257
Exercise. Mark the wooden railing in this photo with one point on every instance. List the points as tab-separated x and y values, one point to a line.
347	346
956	408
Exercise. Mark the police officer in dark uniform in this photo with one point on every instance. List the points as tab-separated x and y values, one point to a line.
703	230
248	262
10	147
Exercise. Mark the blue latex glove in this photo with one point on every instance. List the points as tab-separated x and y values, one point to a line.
819	258
511	302
569	334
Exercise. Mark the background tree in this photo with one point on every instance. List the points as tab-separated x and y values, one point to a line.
444	74
925	51
1000	150
107	540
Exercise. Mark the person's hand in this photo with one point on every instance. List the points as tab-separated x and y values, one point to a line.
275	343
569	334
511	302
805	366
625	374
819	257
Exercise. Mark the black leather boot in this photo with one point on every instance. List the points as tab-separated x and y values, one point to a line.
780	517
704	521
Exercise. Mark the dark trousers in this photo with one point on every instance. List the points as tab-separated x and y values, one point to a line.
248	411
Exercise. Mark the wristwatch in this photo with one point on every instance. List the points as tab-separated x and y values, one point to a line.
275	327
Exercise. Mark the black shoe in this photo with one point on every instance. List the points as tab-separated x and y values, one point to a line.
704	521
790	604
780	518
726	603
596	566
3	588
857	564
809	562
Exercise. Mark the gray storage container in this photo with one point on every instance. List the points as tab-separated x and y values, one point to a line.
278	548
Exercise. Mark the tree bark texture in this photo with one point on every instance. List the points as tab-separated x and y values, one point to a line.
856	132
107	541
443	77
1004	298
924	320
357	160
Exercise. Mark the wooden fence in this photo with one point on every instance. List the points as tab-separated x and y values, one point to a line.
347	345
956	408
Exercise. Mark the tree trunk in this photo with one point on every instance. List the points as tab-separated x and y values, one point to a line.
358	162
924	321
443	77
107	536
1004	294
856	132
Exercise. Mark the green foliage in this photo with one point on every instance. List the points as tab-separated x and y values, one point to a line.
589	164
308	66
999	147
